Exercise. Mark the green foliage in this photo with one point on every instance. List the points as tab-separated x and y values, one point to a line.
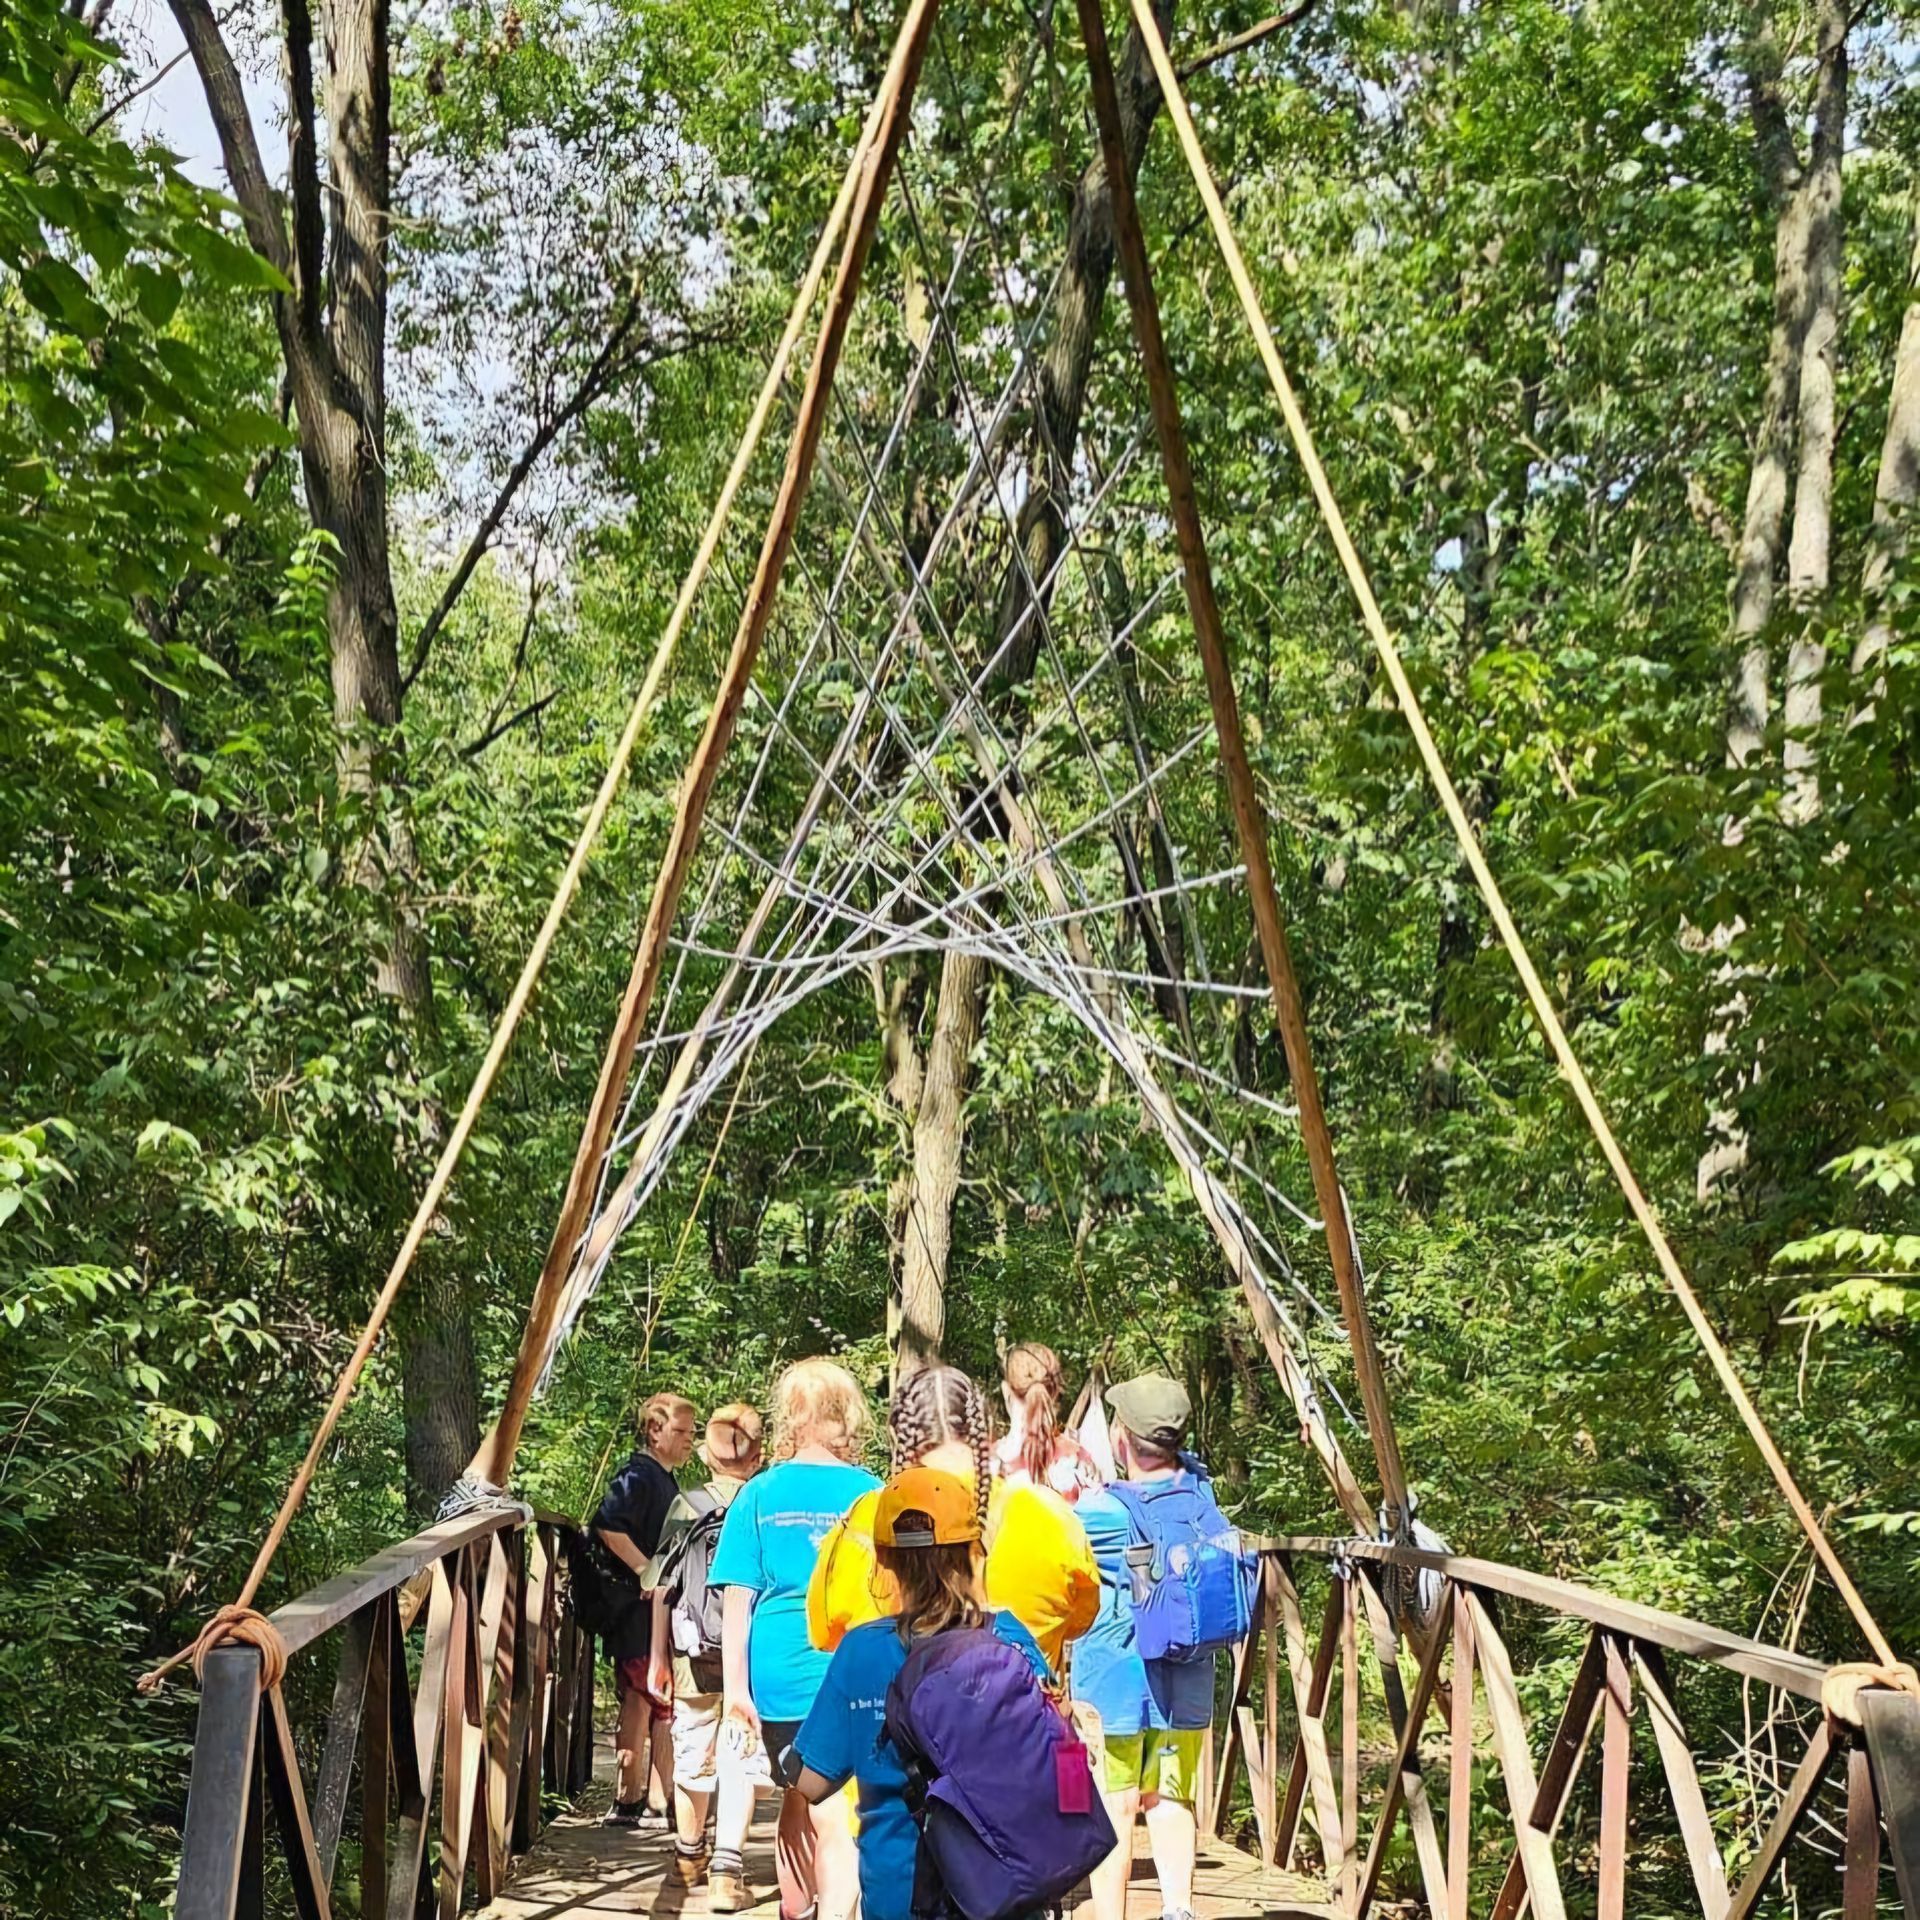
1521	265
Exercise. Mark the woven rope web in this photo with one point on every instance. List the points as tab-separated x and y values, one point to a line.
965	723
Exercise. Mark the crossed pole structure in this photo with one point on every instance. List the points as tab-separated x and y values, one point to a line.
872	169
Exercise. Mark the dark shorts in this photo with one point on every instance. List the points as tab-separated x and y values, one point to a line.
630	1677
783	1762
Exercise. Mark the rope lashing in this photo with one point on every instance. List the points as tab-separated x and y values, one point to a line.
1841	1688
232	1626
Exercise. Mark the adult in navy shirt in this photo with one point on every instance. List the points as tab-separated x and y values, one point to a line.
628	1525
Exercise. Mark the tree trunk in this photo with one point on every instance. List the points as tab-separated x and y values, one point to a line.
439	1386
1757	558
336	373
1810	551
939	1147
1896	491
939	1134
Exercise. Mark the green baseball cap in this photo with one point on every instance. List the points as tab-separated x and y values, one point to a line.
1153	1407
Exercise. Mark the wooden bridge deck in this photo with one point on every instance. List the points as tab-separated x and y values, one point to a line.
581	1868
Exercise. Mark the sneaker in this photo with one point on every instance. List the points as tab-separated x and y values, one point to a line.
624	1813
727	1893
689	1869
652	1820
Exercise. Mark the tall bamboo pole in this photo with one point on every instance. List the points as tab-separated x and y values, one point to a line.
1248	818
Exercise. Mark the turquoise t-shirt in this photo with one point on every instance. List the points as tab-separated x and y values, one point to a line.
841	1737
772	1534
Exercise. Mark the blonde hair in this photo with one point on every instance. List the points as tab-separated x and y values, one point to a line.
732	1443
1032	1379
819	1403
934	1587
661	1412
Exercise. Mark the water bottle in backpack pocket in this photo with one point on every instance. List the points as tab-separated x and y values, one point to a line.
1192	1581
997	1780
696	1605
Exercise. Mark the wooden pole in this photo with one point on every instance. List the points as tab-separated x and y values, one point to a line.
1542	1004
495	1458
1248	818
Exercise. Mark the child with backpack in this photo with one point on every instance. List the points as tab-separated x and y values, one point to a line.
1176	1589
976	1797
685	1662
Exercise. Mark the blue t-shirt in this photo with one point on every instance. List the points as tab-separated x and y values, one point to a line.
1131	1695
842	1737
772	1534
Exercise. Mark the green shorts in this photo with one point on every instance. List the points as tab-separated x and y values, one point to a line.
1163	1763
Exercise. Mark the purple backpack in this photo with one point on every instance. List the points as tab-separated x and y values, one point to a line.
997	1781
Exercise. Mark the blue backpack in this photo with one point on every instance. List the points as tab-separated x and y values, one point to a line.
1192	1583
997	1781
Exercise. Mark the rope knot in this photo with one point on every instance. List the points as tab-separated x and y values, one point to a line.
246	1627
1840	1691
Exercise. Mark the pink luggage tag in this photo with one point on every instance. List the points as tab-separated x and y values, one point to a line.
1073	1776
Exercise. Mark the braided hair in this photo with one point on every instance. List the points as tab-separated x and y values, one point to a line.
937	1405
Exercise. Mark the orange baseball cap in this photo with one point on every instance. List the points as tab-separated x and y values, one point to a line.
924	1508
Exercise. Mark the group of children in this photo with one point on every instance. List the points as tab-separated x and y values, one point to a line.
978	1644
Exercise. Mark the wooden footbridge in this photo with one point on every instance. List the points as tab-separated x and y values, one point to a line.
1485	1742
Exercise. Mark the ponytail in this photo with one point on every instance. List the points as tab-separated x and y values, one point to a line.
1032	1375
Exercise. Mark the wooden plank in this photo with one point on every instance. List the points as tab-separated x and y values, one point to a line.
422	1727
343	1737
225	1746
1683	1783
1649	1626
251	1901
459	1744
1616	1781
1892	1722
490	1860
529	1692
335	1601
386	1701
1861	1887
1270	1732
289	1798
1312	1680
1250	824
1516	1762
1237	1694
1349	1880
1786	1820
1407	1723
1558	1769
1258	1781
1403	1776
581	1769
1460	1766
